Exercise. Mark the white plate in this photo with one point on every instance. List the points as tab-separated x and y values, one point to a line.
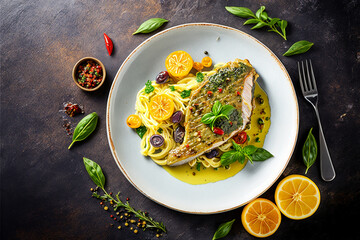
223	44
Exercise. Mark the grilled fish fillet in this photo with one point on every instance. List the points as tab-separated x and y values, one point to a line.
231	84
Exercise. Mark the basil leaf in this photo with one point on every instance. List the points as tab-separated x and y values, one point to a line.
283	25
260	155
251	21
229	157
273	21
84	128
259	25
258	12
223	230
199	77
141	131
298	48
242	12
264	16
208	118
227	110
172	88
150	25
309	151
236	146
149	88
250	149
185	93
95	172
216	109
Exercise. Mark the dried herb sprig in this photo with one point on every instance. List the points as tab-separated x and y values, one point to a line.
97	176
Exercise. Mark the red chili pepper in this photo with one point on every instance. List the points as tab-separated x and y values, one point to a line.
237	93
218	131
209	92
220	90
108	44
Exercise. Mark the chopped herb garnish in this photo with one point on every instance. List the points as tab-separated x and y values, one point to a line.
198	166
199	77
141	131
160	130
172	88
185	93
149	88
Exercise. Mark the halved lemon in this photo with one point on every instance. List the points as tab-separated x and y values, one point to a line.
261	218
297	197
178	64
161	107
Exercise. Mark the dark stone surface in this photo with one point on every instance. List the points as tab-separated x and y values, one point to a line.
44	187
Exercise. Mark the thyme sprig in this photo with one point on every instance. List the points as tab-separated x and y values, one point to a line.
96	174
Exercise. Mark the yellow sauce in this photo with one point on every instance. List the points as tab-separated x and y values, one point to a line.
256	137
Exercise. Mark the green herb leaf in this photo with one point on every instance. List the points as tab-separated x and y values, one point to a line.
95	172
258	12
141	131
199	76
237	147
172	88
84	128
185	93
259	25
216	109
223	230
149	88
150	25
283	25
242	12
261	155
251	21
208	118
229	157
227	110
309	151
298	48
198	167
250	149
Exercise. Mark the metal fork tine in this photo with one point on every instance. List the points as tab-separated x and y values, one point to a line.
313	76
308	76
304	77
300	78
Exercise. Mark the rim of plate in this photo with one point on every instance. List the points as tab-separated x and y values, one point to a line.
108	130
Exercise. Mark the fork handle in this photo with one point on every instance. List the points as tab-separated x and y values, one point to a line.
326	167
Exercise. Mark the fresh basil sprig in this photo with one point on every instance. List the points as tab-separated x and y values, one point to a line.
97	176
223	230
218	111
298	48
260	19
150	25
84	128
309	151
241	153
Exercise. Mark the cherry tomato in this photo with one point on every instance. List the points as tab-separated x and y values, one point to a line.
240	138
133	121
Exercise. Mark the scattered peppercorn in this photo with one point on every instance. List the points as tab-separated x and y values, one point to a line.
111	216
132	221
157	235
91	189
206	52
126	224
101	203
106	208
119	227
127	199
135	231
114	218
117	213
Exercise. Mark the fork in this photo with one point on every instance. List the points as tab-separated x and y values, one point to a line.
310	92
